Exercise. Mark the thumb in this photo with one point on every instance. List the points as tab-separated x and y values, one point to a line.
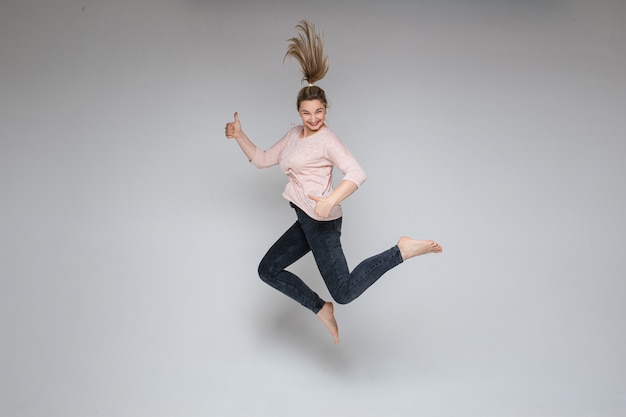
312	197
236	117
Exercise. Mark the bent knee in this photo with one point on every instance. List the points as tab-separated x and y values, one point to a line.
342	298
265	271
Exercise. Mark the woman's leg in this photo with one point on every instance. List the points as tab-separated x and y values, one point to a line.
290	247
345	286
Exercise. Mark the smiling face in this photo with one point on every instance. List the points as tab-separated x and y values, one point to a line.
313	114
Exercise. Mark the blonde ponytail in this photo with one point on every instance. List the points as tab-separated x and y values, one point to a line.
308	49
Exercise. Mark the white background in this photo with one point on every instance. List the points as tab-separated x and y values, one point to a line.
131	229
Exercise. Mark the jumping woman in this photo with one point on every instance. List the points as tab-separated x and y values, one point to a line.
307	154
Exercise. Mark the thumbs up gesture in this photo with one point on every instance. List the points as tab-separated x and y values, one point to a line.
322	206
233	129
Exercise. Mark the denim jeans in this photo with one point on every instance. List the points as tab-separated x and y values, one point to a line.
323	239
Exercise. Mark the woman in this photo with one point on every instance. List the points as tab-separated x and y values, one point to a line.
307	155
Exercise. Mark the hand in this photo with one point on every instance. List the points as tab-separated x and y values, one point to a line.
322	206
233	129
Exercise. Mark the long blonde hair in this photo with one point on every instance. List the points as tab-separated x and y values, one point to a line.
308	49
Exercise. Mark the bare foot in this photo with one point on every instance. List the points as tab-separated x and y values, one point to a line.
411	247
327	316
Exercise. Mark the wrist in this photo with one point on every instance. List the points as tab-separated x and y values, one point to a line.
333	199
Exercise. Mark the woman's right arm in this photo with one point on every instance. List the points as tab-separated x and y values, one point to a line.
234	131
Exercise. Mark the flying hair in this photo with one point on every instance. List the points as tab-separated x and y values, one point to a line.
308	49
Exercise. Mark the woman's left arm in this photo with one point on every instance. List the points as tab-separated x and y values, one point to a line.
353	177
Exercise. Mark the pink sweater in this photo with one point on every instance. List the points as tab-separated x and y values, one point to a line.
308	163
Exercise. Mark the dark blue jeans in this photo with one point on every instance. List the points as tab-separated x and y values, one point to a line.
323	239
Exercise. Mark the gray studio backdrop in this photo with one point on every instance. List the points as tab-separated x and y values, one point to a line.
131	228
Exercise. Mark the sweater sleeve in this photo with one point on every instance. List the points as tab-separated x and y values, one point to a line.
339	155
270	157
